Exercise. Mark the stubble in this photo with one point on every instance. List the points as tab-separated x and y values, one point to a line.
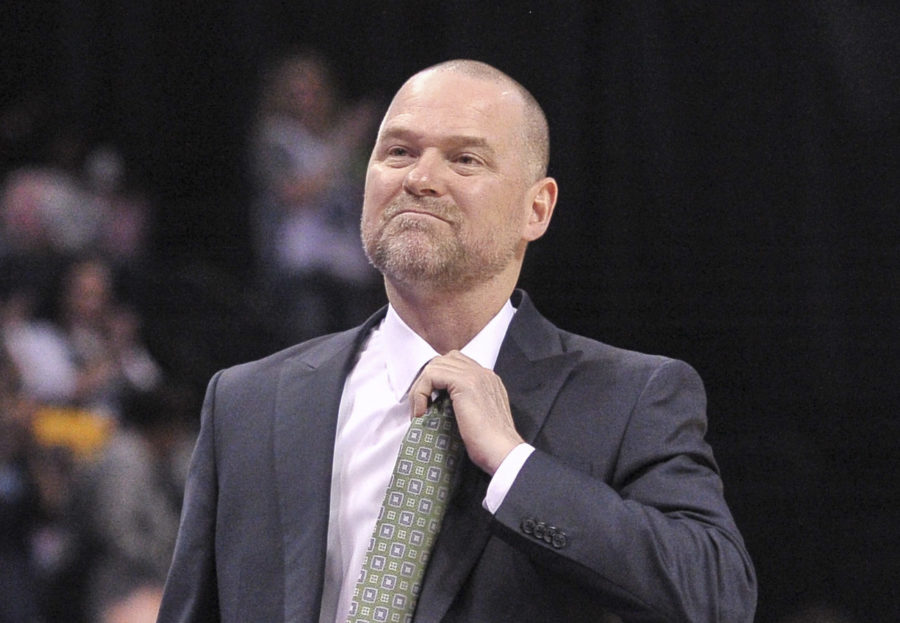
414	249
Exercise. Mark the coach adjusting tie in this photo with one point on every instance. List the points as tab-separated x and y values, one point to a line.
409	519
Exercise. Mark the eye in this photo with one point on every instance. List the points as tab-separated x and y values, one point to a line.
397	151
468	160
397	155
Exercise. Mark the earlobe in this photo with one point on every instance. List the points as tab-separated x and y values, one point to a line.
543	201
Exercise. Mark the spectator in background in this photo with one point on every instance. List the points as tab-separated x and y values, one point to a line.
85	537
38	547
54	543
73	201
91	354
37	350
306	211
19	503
124	230
130	501
46	209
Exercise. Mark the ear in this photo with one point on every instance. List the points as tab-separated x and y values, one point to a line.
543	199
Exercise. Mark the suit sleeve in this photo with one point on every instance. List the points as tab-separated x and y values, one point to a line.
191	594
655	541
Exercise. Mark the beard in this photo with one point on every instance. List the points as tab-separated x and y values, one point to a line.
413	249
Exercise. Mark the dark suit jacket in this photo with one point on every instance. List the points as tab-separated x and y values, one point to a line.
621	474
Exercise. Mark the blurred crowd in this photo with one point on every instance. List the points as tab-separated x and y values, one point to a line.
94	438
96	422
94	443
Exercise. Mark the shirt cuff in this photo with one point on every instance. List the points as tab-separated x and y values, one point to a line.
505	476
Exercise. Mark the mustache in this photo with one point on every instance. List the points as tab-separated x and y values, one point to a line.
430	205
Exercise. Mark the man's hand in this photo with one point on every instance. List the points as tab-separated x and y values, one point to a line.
480	403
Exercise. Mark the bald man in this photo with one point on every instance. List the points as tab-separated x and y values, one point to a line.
586	491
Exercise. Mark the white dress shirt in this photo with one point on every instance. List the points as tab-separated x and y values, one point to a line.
372	421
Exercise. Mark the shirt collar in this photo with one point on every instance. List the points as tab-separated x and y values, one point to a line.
406	353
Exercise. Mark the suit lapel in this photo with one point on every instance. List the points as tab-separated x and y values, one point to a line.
533	367
306	408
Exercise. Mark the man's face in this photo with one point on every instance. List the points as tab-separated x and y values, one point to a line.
447	188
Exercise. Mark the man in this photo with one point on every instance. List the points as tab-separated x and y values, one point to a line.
587	494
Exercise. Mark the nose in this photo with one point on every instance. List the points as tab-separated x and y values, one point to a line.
424	177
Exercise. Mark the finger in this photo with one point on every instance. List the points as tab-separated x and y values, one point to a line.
419	392
422	391
419	402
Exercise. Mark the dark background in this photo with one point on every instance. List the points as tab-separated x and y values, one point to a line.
729	191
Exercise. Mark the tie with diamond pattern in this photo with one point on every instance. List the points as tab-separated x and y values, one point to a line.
409	519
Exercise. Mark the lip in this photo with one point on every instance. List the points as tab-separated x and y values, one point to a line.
421	213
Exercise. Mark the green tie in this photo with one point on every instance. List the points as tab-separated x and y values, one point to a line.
409	519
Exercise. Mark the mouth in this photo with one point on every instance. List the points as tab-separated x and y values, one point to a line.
423	213
421	210
417	213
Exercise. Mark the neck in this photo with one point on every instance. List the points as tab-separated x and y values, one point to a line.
448	320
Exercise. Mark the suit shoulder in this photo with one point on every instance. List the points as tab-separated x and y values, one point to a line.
270	366
538	337
613	359
595	350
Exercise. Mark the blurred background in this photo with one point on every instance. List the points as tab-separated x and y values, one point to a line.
180	192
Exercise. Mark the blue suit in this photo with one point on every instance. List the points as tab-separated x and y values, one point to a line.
618	513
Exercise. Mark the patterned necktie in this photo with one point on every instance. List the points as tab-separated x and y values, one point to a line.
409	519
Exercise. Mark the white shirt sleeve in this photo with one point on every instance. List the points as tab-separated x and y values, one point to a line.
505	476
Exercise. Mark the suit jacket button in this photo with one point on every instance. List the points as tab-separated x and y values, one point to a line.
528	525
548	536
540	529
559	540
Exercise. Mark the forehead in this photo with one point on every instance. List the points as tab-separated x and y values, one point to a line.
439	104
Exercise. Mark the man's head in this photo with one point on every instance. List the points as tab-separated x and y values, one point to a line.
456	184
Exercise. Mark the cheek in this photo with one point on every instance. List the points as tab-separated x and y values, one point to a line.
379	190
369	220
501	211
